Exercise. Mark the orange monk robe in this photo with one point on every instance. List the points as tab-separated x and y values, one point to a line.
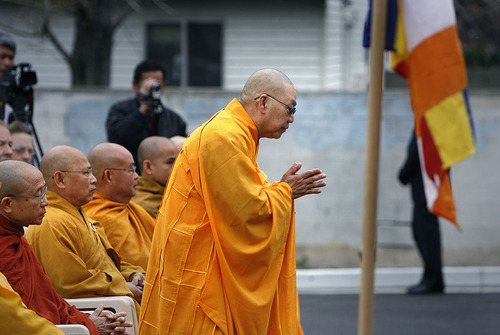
15	318
76	255
149	194
223	255
128	226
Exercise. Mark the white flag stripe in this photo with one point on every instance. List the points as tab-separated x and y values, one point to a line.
424	18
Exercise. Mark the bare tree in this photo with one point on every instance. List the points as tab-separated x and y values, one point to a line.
95	22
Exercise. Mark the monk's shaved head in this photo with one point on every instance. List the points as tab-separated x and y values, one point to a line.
178	140
153	147
114	166
106	155
263	81
61	157
13	175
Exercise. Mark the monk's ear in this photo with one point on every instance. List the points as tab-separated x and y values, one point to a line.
146	166
58	178
6	204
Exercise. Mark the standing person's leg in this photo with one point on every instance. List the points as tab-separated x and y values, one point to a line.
427	237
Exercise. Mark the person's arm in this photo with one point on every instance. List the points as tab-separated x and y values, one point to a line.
17	319
411	165
125	119
65	243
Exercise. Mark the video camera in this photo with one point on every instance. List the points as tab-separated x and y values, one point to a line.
16	89
153	99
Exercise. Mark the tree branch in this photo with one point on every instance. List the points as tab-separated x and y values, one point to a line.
46	31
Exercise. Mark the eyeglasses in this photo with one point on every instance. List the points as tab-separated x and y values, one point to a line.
291	110
131	170
22	150
87	173
39	197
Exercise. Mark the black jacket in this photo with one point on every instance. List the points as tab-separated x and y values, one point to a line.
125	125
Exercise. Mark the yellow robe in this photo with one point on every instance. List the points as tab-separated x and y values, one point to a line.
223	255
128	226
76	255
149	194
15	318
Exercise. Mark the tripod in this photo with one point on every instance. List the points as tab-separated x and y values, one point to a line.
21	101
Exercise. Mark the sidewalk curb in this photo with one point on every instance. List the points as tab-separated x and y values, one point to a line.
469	279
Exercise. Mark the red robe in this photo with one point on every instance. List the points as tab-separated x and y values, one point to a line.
25	274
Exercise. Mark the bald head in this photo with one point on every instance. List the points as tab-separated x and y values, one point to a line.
269	81
179	141
67	172
157	155
107	155
22	193
61	157
153	147
114	165
14	176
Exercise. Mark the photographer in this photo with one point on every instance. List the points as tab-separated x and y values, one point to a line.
7	55
132	120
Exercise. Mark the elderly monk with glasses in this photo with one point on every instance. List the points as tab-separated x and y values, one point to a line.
223	255
128	226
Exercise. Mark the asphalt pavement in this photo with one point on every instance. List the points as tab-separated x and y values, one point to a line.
401	314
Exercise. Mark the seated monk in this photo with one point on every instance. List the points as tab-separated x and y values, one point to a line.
156	156
73	250
128	226
23	202
16	318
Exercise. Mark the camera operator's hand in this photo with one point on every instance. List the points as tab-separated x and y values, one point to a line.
145	90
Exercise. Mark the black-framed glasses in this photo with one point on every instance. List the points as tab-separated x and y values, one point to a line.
87	172
291	110
39	197
131	169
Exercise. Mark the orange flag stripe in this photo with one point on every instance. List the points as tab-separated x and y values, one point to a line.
437	71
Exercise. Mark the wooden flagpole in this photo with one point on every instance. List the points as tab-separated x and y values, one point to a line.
377	46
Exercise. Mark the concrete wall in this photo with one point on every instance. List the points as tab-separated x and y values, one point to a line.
329	132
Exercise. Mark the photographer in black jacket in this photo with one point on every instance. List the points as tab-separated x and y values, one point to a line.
132	120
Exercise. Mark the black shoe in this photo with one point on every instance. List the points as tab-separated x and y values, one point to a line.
424	288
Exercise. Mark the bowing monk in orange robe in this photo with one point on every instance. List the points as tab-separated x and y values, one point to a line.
223	254
128	226
23	203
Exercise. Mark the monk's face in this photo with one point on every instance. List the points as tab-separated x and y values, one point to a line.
162	166
124	177
79	180
5	144
278	116
28	207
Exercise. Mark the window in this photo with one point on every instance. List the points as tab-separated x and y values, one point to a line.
190	51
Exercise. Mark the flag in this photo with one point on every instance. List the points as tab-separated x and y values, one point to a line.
426	50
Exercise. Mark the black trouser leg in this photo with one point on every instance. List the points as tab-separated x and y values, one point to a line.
427	236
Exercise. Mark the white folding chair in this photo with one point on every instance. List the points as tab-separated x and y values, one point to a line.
74	329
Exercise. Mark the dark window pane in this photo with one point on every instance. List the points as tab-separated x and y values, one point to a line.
204	55
164	46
